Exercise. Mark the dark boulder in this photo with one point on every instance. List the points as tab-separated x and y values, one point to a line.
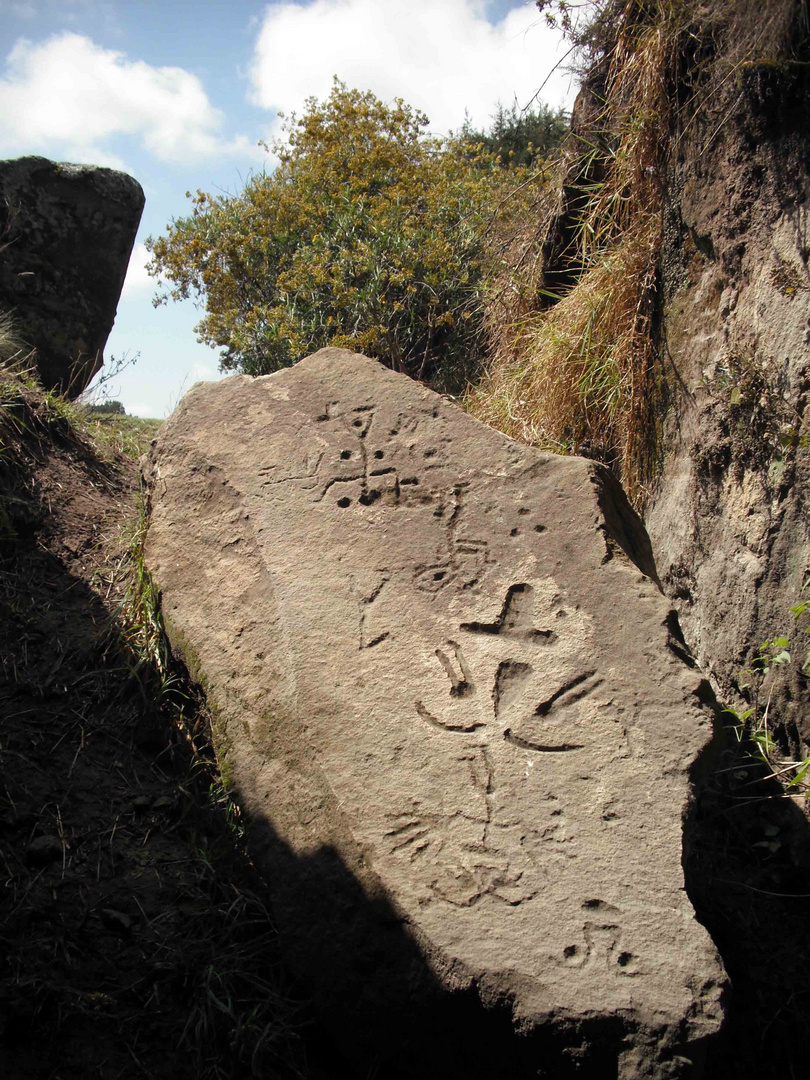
66	234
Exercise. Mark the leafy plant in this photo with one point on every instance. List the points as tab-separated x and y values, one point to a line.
369	234
521	136
753	725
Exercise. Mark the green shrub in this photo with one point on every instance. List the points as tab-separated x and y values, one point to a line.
370	234
521	136
106	408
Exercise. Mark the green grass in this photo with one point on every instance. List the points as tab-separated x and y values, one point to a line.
213	991
128	435
26	408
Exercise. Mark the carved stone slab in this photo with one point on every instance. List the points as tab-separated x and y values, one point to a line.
442	671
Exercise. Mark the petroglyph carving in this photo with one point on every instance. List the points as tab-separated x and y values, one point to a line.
412	836
462	686
463	558
367	592
516	619
519	712
364	464
600	946
428	678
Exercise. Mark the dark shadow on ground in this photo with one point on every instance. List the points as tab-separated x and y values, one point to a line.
135	935
120	877
747	871
386	1011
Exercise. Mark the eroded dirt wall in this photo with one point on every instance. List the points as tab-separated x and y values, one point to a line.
728	519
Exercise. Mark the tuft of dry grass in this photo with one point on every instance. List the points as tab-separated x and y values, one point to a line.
29	418
13	352
580	371
579	376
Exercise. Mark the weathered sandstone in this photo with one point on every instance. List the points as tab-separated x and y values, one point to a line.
729	516
454	703
66	234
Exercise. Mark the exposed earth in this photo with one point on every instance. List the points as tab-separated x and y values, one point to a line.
136	936
135	939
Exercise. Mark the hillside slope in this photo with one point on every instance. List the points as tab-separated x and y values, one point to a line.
133	933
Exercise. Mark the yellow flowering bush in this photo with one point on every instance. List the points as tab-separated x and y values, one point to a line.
369	234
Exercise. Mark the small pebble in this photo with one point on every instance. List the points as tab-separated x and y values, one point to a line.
116	920
43	850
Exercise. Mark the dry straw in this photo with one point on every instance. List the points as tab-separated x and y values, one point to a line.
579	376
580	371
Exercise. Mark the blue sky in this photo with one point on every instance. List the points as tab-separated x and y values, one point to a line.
179	95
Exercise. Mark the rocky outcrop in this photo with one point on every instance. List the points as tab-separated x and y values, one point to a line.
727	513
454	704
66	234
729	519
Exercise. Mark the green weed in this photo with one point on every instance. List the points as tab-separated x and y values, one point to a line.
129	435
753	726
142	625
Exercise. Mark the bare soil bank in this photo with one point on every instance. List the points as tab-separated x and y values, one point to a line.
135	937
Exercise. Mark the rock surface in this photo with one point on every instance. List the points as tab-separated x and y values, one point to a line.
454	703
729	518
66	234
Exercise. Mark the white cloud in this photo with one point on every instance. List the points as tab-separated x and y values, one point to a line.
138	281
205	373
441	56
66	96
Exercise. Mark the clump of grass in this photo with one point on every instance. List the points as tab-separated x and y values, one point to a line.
754	726
236	991
754	730
142	625
129	435
577	376
27	409
30	417
578	369
581	375
13	352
